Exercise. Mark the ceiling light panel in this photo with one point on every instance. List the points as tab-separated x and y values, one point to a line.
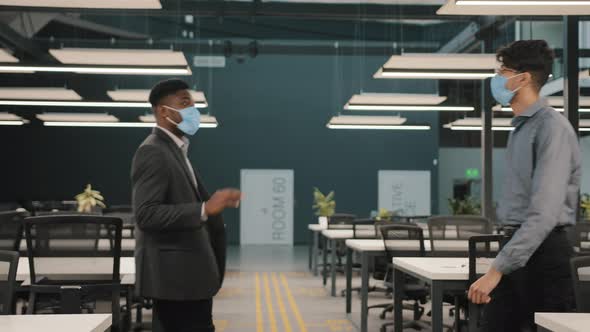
77	117
124	57
142	95
114	4
514	7
396	99
5	56
26	93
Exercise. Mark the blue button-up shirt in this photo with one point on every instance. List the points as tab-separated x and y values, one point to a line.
542	182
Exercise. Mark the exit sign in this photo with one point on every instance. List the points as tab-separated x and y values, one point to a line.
472	173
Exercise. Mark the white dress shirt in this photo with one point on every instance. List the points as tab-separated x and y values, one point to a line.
183	144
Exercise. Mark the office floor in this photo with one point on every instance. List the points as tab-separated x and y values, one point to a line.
269	289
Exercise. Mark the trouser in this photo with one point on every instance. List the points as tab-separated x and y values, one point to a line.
543	285
183	316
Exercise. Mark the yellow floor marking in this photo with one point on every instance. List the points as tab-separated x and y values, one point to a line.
293	304
269	305
279	297
259	322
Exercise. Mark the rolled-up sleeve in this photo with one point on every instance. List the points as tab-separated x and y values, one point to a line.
550	179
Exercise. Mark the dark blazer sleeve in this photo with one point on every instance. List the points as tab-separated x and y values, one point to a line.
150	178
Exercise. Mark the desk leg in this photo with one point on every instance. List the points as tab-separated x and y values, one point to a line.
437	306
348	280
314	256
398	289
325	261
310	244
364	290
333	266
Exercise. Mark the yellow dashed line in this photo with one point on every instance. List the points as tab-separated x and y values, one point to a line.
269	305
282	310
259	322
293	304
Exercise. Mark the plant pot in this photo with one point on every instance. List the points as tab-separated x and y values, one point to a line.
323	221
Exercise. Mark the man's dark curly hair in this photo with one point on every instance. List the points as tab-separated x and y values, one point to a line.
532	56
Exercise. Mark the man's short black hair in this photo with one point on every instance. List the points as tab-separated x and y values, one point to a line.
166	88
532	56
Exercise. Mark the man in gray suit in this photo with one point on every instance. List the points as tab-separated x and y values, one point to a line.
180	235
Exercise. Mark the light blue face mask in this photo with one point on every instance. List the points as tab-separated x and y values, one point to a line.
191	119
499	90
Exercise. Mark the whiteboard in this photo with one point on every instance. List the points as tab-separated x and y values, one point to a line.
266	212
406	192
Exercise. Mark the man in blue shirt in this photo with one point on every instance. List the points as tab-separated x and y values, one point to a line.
539	201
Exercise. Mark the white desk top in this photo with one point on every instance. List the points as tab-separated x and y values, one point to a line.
74	266
440	245
563	322
441	268
315	227
63	323
338	234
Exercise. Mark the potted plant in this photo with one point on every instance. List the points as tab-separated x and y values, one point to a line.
384	215
585	207
89	199
467	206
324	206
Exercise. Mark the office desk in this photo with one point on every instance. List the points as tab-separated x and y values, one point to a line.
62	323
371	248
330	238
562	322
314	233
442	273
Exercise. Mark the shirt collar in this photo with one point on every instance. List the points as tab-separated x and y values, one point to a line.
182	143
530	111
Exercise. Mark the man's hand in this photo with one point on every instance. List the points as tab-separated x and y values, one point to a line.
222	199
479	292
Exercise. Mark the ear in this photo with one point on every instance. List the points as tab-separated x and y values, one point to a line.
527	78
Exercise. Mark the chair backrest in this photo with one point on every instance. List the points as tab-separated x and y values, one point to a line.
456	228
364	229
483	246
581	287
8	266
11	230
74	236
411	235
341	221
45	206
582	234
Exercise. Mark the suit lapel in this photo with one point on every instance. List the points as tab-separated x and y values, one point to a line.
178	154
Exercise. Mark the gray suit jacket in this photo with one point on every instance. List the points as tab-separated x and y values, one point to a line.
177	256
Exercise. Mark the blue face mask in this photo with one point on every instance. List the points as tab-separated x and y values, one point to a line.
499	90
191	120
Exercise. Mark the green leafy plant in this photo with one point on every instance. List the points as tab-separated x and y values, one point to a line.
585	206
324	205
467	206
385	214
89	199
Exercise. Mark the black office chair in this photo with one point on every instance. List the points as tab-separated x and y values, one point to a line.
72	236
581	287
11	230
582	238
456	228
480	246
125	212
414	289
341	221
38	207
8	266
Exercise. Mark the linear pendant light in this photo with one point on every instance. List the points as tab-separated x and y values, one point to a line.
9	119
141	95
98	70
5	56
65	103
474	124
515	8
38	93
102	4
400	102
372	123
438	66
86	120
